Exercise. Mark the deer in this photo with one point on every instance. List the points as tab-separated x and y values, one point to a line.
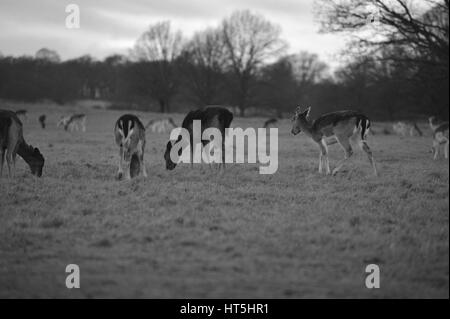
41	120
129	135
336	127
209	117
13	143
440	136
73	122
161	126
405	128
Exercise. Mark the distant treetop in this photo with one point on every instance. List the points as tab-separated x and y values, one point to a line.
48	55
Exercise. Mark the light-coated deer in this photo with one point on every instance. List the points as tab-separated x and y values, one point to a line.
73	122
340	127
405	128
440	136
161	126
13	143
130	137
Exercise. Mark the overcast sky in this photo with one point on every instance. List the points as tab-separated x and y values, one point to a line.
112	26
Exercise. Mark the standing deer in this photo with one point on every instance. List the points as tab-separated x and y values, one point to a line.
13	143
440	136
41	120
130	137
342	126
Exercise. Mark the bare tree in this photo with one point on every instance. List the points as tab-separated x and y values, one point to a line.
278	90
250	40
307	67
412	33
160	46
204	64
419	26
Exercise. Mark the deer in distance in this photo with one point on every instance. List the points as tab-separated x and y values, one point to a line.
73	122
405	128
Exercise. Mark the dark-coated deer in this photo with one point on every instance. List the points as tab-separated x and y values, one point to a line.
13	143
211	116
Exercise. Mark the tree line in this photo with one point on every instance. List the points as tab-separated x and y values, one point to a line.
243	63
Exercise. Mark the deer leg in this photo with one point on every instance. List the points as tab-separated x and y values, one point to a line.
368	151
206	154
222	148
324	156
2	160
14	155
446	149
320	162
120	171
127	169
141	160
348	152
223	154
9	162
435	149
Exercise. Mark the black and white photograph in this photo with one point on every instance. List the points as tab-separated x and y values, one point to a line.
222	149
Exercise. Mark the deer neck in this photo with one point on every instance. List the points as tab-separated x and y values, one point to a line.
434	125
307	128
26	152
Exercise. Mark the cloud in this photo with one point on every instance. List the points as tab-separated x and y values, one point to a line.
112	26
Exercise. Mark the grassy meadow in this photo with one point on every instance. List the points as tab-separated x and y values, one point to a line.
191	233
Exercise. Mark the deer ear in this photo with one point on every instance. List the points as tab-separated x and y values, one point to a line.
306	112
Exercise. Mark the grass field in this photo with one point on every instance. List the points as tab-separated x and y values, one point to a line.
190	233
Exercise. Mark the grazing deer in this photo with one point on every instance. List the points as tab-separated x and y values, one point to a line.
22	114
440	136
73	122
405	128
211	116
161	126
341	126
42	119
130	137
13	143
270	122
